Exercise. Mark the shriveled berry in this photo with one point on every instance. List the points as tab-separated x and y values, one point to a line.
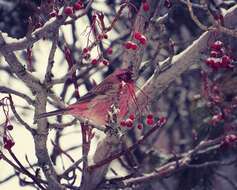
146	6
68	11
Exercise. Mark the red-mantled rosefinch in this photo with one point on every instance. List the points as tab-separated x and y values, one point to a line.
117	87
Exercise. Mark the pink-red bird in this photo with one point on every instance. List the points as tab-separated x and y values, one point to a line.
94	106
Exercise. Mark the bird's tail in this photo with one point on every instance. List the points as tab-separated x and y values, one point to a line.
53	113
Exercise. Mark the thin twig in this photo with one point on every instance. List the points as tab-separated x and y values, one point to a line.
19	118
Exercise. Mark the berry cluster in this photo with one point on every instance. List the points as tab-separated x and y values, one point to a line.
138	37
130	121
218	57
86	55
222	110
69	10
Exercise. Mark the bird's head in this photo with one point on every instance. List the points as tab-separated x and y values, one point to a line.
125	75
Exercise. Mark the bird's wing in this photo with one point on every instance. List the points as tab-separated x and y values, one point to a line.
101	89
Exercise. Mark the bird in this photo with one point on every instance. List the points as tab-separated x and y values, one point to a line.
118	88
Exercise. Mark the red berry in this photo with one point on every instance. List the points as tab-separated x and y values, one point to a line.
68	11
150	116
77	6
109	51
105	62
146	7
100	37
10	127
94	61
214	54
134	46
210	61
143	40
217	45
128	45
225	61
123	123
137	35
129	123
132	117
162	120
85	50
139	126
149	121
